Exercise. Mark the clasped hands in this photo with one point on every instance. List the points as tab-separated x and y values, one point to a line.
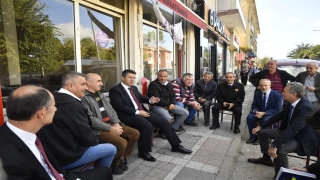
259	114
154	100
226	104
116	129
195	105
201	100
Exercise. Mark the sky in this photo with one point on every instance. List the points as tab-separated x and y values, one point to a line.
286	23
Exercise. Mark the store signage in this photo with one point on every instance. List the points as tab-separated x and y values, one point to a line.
236	39
240	57
217	24
185	12
102	39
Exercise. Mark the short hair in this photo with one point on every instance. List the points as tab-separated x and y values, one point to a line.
315	64
162	70
314	120
230	73
296	87
268	80
208	73
127	71
272	60
71	77
22	107
187	75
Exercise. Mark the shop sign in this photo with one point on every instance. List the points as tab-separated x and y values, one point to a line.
240	57
236	39
102	39
217	24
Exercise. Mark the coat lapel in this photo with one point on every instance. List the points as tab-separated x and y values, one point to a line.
126	94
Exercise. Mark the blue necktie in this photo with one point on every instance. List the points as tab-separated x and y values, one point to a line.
264	99
289	114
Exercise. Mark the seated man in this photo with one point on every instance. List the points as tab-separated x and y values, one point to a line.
106	125
292	136
69	138
266	103
127	101
163	89
230	96
183	88
30	108
204	91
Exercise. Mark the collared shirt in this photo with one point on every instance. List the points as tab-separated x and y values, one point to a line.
164	83
310	82
30	140
230	84
128	92
267	96
294	106
62	90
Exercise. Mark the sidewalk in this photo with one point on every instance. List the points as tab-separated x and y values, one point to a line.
217	154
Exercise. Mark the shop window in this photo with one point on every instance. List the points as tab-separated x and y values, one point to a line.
149	15
37	41
150	58
99	46
116	3
166	52
219	70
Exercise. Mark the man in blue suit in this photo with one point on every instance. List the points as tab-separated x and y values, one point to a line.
292	136
266	103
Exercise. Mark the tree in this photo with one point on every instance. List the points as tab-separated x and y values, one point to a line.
299	51
263	62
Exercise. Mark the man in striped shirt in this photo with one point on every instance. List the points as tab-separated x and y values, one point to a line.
183	89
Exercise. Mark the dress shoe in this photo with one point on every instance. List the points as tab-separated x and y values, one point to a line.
206	123
181	149
251	140
191	123
117	170
236	130
256	142
214	126
181	129
261	161
146	156
123	166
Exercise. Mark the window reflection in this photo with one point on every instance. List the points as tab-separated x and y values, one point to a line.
150	61
166	53
219	74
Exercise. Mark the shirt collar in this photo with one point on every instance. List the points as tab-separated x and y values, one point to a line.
230	84
125	86
312	76
295	103
267	93
25	136
164	83
62	90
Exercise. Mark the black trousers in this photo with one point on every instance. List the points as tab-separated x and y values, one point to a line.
237	111
145	127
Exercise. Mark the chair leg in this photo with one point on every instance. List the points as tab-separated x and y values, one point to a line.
197	113
221	114
308	160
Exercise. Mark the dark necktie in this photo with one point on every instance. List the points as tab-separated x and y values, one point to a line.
53	170
264	99
230	85
289	114
135	99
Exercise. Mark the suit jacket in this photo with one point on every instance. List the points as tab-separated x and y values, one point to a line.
274	103
201	90
234	94
122	103
306	136
301	77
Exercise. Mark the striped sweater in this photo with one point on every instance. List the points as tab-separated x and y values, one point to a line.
182	94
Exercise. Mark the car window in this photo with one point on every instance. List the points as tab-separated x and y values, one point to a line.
293	70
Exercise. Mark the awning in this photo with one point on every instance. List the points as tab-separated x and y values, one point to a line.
185	12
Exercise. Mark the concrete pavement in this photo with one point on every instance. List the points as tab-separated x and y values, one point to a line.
217	154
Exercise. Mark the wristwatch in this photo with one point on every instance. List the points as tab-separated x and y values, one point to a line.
254	111
272	145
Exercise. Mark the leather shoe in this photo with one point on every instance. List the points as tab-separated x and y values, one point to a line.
214	126
261	161
181	149
236	130
123	166
206	123
251	140
256	142
146	156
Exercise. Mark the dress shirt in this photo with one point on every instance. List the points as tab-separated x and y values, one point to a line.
267	96
310	82
30	140
128	92
294	106
62	90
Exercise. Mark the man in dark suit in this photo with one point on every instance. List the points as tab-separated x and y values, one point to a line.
292	136
230	96
266	103
30	108
127	101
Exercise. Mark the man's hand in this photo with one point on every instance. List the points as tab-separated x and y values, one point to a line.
230	105
310	88
143	113
154	100
299	169
116	129
224	104
201	100
272	152
171	106
260	114
255	130
195	105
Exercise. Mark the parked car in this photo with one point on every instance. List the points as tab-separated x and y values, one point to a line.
295	66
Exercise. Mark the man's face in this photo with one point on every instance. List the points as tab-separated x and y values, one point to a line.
79	87
311	70
264	86
229	78
49	113
207	78
163	76
271	66
95	84
129	79
188	80
287	95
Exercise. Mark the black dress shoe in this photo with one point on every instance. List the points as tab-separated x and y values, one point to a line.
181	149
123	166
146	156
191	123
206	123
117	170
214	126
261	161
256	142
236	130
251	140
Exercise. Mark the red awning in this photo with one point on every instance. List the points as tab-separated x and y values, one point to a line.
185	12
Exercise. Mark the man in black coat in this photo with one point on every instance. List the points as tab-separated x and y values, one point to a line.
30	108
204	92
292	136
230	96
127	102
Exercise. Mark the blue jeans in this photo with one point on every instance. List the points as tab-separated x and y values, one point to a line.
192	111
180	112
104	153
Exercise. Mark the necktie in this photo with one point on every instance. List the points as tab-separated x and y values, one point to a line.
289	114
53	170
230	85
264	99
135	99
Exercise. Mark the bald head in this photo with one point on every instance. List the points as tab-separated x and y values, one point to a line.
94	82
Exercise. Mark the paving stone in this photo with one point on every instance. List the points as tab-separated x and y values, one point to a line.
170	176
159	173
206	176
166	166
188	173
164	158
201	159
179	161
142	169
195	165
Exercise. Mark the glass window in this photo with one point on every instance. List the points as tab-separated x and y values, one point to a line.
99	47
116	3
219	72
148	12
150	59
37	40
166	53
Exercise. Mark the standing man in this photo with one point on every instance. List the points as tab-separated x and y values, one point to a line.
69	137
30	108
163	89
204	92
106	125
183	88
311	83
278	78
266	103
230	96
127	101
292	136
